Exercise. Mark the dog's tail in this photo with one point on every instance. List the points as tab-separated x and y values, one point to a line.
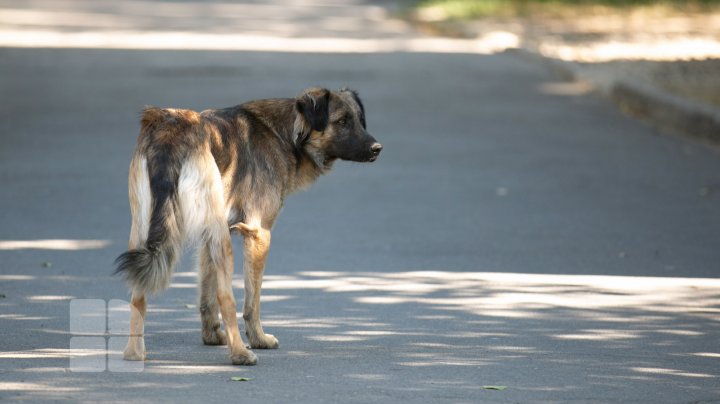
156	234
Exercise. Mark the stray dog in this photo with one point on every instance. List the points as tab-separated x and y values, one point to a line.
197	177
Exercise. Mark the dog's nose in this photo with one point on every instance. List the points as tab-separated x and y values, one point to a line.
376	148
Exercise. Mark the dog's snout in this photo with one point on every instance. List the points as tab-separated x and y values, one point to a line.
376	148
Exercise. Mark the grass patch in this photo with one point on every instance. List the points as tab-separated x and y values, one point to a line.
473	9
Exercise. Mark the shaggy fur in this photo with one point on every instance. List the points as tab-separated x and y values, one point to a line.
195	177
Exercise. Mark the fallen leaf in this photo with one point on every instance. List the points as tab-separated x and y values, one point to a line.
190	306
47	264
240	379
500	388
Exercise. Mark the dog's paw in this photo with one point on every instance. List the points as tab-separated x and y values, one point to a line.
134	355
214	337
246	358
267	341
135	349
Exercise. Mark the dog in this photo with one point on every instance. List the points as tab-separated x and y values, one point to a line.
196	177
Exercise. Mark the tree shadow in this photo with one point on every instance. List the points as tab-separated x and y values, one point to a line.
442	333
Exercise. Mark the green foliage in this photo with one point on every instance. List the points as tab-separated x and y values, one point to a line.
469	9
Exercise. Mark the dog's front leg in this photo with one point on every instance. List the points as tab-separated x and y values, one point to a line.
257	244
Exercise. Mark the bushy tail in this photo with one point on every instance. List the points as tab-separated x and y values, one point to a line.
146	271
149	268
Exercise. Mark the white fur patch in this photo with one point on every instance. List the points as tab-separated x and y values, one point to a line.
201	199
141	209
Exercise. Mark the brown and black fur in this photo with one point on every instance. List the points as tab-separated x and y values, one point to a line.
197	177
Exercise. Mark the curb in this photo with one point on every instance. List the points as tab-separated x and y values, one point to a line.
668	111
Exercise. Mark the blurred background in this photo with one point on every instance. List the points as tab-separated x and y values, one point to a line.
671	44
544	215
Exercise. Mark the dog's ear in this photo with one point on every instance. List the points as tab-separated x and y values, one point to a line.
312	106
356	97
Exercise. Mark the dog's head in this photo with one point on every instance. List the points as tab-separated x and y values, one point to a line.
331	125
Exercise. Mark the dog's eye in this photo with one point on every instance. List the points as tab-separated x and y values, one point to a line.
342	122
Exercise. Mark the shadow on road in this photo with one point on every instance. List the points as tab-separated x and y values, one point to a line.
548	336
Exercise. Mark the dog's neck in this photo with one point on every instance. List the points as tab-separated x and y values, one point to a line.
279	115
306	173
276	114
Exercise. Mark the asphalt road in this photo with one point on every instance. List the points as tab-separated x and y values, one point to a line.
514	232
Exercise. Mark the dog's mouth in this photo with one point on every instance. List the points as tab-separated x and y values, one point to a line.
363	159
328	162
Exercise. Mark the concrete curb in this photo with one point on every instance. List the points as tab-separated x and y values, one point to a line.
668	111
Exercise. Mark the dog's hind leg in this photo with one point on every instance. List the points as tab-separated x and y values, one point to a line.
221	261
140	197
257	244
135	349
203	205
209	310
